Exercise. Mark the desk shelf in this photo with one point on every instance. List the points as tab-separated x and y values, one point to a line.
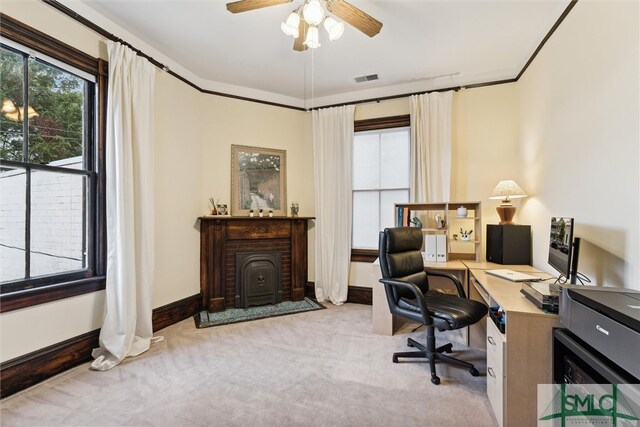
456	249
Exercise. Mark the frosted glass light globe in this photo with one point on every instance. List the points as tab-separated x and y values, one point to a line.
312	12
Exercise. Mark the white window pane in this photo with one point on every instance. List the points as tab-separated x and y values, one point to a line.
13	187
58	238
394	155
387	209
366	162
365	219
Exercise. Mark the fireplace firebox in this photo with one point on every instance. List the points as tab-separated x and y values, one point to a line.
258	278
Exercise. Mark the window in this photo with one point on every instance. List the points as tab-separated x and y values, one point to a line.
51	200
380	179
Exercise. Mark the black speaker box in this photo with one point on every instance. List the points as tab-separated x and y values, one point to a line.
509	244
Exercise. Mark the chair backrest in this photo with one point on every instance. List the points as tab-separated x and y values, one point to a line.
400	258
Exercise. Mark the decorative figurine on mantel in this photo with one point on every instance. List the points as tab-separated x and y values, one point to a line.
214	203
294	209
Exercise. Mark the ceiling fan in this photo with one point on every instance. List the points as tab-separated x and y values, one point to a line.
302	23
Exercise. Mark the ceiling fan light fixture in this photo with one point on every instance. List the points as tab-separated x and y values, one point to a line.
291	25
312	12
334	28
312	38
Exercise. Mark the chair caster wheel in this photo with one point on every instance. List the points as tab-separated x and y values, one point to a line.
449	349
435	379
474	372
395	359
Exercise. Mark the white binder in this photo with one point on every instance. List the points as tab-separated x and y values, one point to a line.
430	247
441	247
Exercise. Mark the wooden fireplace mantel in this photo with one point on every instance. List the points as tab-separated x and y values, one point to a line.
221	237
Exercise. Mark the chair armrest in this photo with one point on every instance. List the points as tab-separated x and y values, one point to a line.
451	277
416	291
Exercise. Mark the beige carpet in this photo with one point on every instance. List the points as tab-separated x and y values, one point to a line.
322	368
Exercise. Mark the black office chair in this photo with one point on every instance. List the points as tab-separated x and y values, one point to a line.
407	287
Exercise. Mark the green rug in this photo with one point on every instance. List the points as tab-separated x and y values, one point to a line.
204	319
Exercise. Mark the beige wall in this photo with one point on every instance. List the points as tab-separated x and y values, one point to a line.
579	139
579	99
230	121
179	146
193	133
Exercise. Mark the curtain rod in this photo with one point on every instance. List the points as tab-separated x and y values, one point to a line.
98	29
69	12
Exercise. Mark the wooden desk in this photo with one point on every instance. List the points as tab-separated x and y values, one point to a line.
484	265
384	322
519	359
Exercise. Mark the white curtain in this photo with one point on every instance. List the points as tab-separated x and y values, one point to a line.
127	329
430	147
332	153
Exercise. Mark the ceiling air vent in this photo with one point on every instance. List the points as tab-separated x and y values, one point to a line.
369	78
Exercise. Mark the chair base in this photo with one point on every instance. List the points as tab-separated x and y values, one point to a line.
432	356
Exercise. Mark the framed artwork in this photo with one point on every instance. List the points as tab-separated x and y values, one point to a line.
258	181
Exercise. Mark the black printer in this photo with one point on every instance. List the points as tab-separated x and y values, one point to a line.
602	336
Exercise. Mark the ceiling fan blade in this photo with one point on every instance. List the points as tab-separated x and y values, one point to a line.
354	16
247	5
298	43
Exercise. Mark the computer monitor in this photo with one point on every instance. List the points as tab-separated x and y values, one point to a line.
561	245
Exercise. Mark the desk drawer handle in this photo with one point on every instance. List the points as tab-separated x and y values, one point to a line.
490	371
491	341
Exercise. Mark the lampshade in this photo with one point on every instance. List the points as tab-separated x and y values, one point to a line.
504	190
334	28
312	38
313	12
290	27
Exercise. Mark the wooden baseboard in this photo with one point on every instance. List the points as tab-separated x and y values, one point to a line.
24	371
356	295
360	295
176	311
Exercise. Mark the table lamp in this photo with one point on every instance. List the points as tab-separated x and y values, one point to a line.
505	190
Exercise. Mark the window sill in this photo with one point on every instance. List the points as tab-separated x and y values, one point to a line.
364	255
30	297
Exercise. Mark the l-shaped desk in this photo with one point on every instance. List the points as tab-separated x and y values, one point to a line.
518	359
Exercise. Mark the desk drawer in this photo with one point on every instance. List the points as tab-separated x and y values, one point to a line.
496	342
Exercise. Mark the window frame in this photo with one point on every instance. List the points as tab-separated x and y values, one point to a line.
380	123
28	292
